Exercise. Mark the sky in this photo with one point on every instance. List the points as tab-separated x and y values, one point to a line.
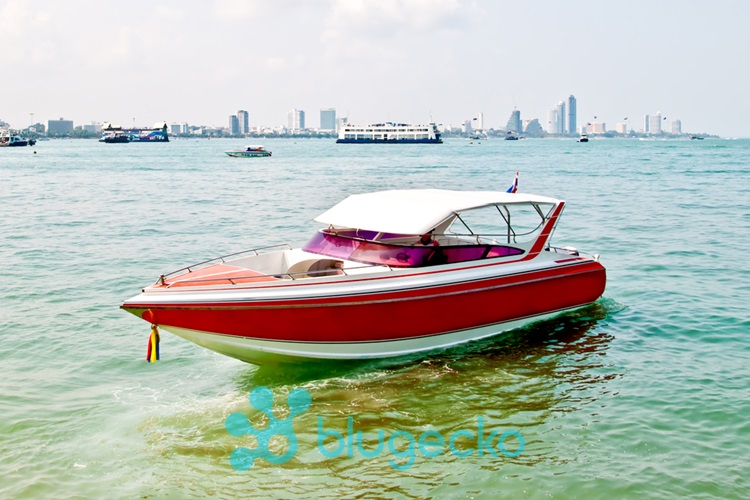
411	61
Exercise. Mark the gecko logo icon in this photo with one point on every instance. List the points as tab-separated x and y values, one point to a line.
237	424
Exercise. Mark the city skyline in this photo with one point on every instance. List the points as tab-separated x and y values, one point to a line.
561	120
410	61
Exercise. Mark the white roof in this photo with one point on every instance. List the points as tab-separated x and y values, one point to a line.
415	211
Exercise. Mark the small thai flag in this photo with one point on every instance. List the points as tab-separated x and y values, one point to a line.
513	187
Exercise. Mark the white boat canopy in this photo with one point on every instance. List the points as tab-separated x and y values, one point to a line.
416	211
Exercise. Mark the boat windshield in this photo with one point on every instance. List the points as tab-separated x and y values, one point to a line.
356	249
512	224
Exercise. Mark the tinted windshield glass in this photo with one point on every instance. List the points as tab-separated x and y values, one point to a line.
369	252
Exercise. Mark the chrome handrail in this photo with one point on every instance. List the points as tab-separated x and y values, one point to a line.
292	276
221	259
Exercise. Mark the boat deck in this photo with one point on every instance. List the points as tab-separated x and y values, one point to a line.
216	274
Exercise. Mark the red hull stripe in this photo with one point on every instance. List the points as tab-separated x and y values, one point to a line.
391	315
421	292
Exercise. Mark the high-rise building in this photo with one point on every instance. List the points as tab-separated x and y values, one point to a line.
328	119
552	122
60	126
478	121
654	123
621	128
645	123
560	109
514	122
596	128
179	128
572	115
676	127
532	128
244	121
234	125
296	119
556	119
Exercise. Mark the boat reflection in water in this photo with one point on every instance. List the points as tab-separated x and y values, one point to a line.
547	381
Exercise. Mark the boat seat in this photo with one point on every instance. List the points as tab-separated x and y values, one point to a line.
312	268
325	267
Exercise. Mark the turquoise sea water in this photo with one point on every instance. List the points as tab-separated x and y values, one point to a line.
644	394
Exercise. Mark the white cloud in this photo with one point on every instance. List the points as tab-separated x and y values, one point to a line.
237	9
368	19
391	33
275	63
21	22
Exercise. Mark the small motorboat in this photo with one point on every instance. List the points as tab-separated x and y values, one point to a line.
583	138
390	273
249	152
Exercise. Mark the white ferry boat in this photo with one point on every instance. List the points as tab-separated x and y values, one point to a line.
390	133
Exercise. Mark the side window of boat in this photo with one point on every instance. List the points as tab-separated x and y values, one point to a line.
526	221
509	224
450	255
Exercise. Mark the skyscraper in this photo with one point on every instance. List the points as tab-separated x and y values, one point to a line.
552	122
328	119
560	110
296	119
244	120
654	123
572	118
532	128
478	121
234	125
514	122
676	127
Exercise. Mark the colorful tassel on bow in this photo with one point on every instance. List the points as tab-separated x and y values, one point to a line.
152	353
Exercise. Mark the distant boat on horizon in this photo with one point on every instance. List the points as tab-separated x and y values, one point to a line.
115	135
389	133
249	152
13	140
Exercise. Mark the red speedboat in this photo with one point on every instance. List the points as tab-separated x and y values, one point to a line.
390	273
